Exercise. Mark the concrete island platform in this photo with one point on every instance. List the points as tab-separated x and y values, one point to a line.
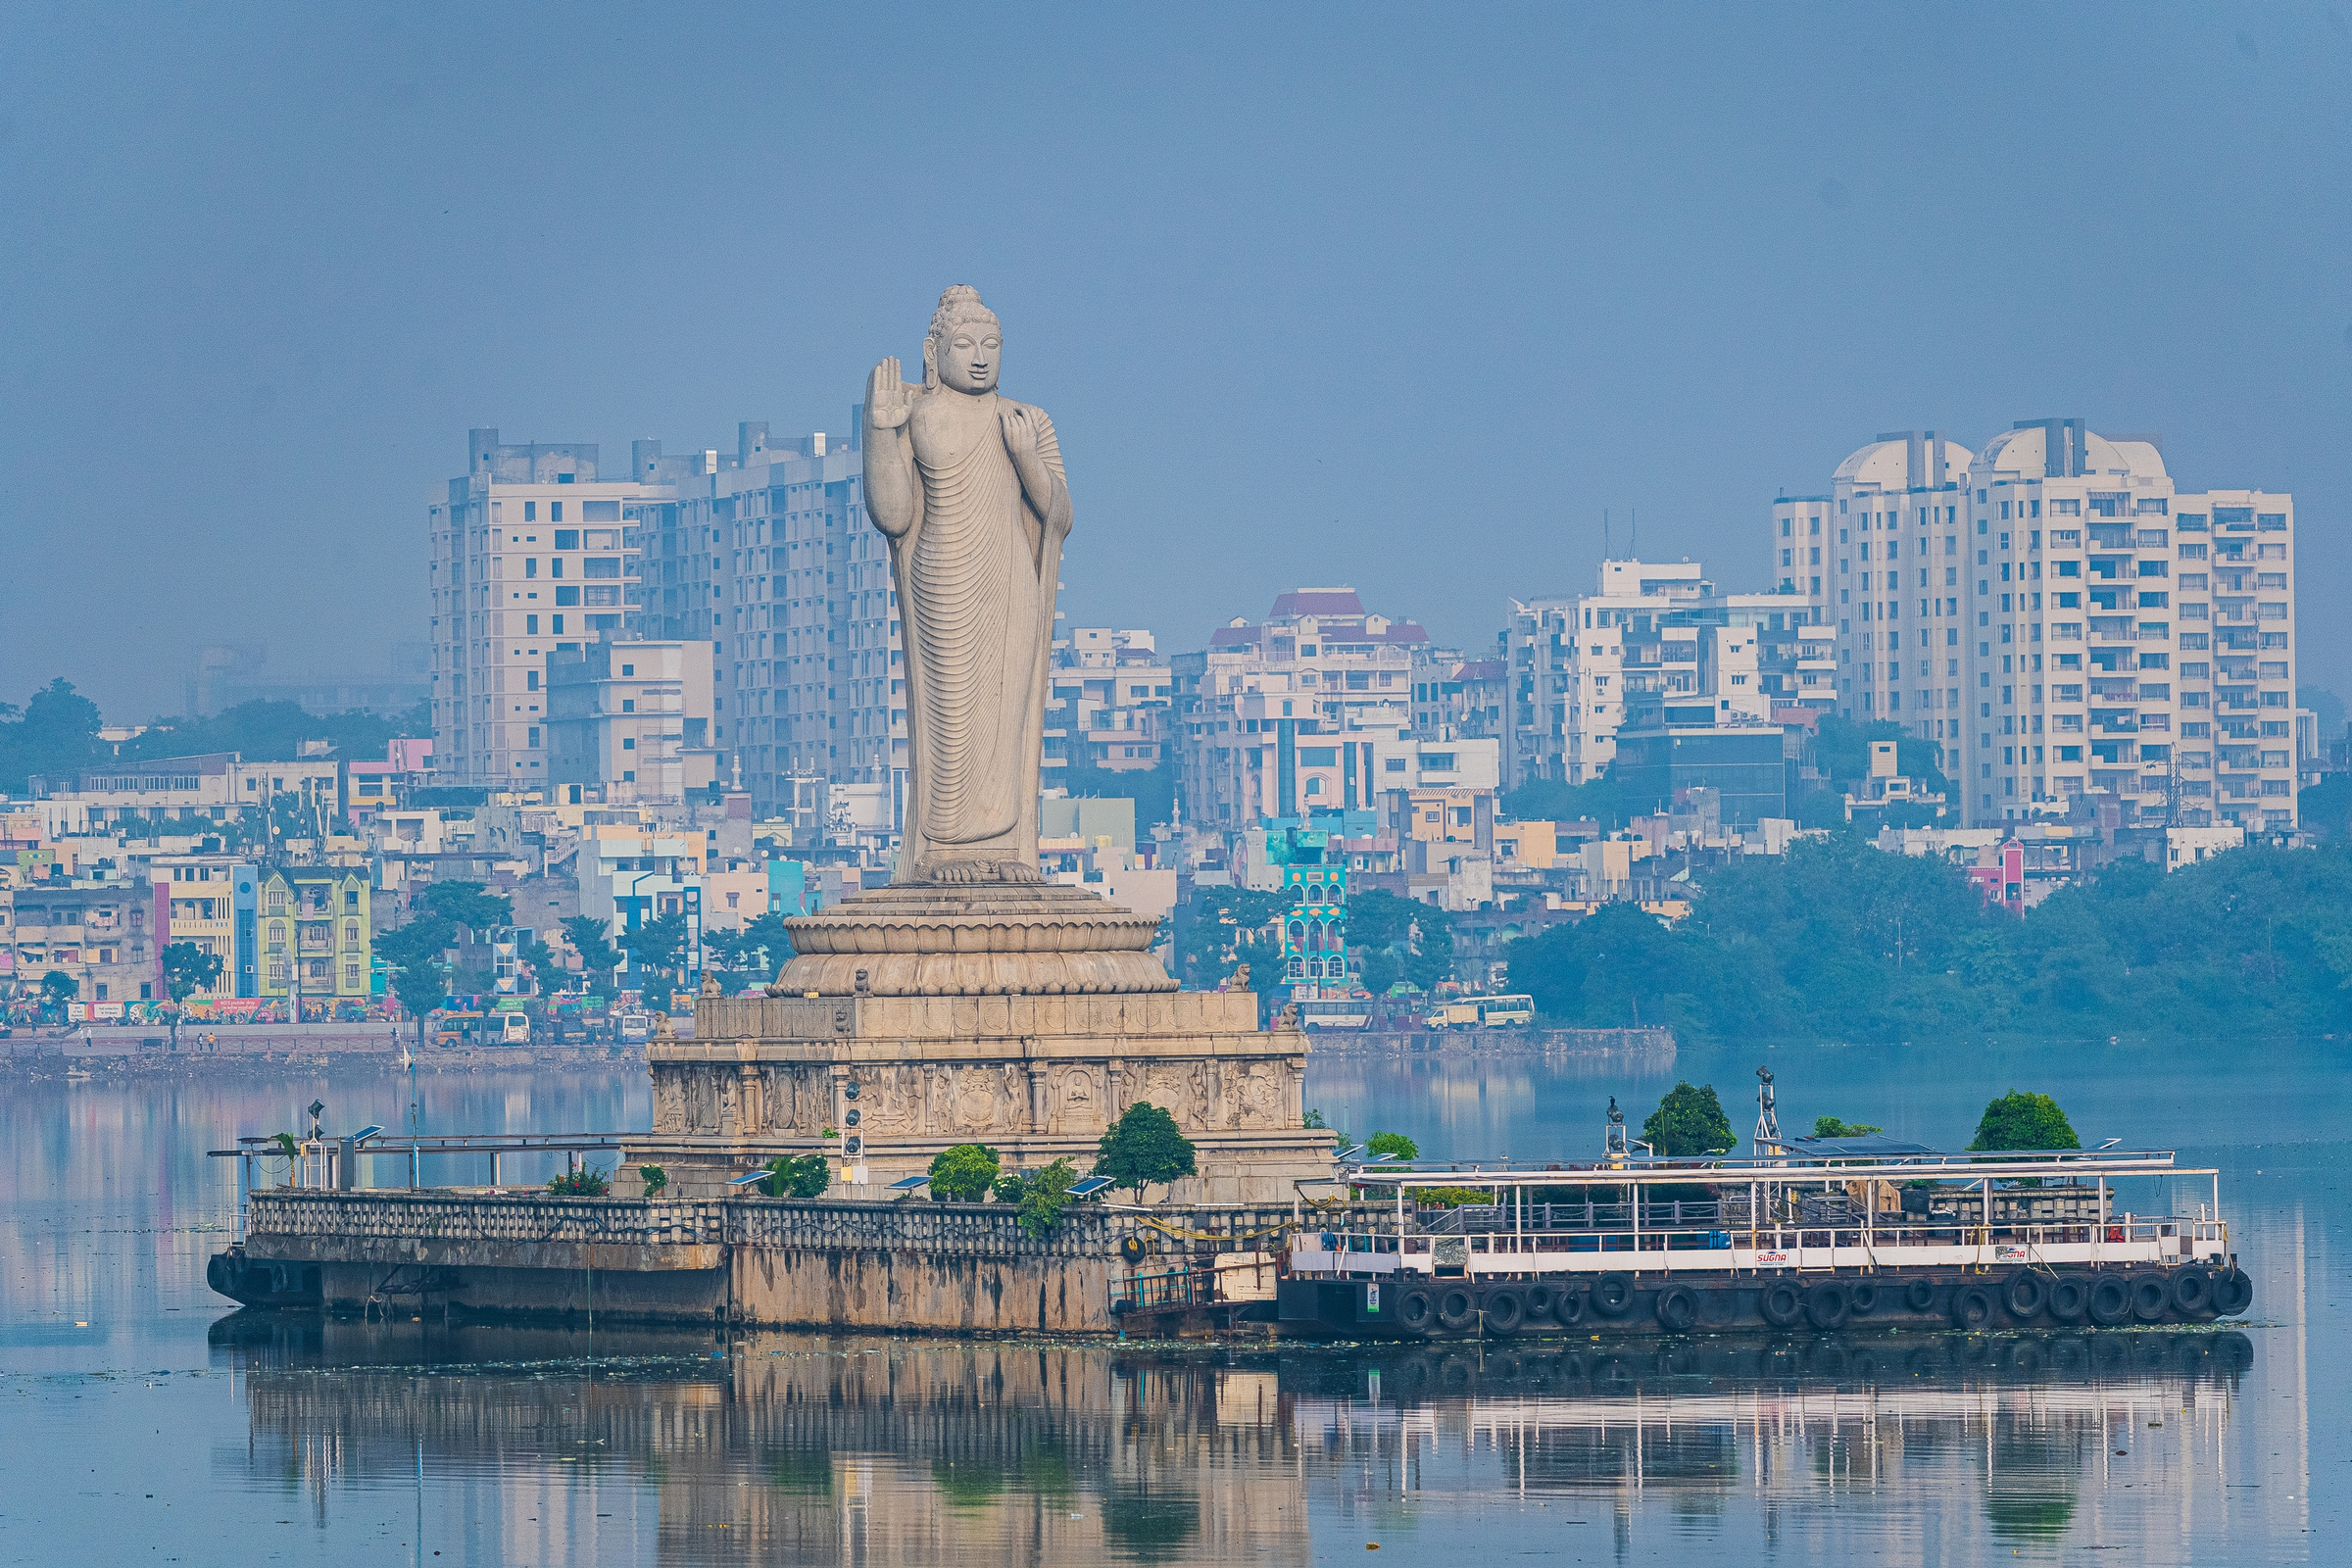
909	1264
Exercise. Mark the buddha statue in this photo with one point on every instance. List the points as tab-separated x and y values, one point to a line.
967	486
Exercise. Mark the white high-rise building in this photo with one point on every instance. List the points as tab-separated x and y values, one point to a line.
532	554
764	552
2061	622
1879	559
772	558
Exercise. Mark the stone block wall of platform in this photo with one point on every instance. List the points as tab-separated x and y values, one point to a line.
1035	1077
914	1266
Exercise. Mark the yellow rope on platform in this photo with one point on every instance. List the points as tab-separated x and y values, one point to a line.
1183	1234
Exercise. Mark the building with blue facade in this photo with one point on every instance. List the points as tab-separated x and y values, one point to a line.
1314	927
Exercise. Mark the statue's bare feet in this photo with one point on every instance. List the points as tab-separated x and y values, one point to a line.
1017	871
955	873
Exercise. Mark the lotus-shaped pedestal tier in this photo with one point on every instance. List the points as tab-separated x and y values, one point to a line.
991	940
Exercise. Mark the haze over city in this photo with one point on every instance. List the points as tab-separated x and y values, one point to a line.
1214	785
1314	297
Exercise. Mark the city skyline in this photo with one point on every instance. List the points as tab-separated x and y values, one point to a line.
1524	285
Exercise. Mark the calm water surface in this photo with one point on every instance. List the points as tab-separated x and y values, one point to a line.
147	1425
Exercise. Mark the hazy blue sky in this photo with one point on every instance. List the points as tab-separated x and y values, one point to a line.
1401	298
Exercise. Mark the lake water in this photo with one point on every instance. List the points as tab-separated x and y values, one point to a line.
144	1424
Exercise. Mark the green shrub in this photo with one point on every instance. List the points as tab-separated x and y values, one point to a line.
806	1177
963	1173
1832	1127
1448	1197
1044	1195
586	1182
656	1178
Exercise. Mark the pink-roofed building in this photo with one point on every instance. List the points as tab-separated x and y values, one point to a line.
1319	664
376	786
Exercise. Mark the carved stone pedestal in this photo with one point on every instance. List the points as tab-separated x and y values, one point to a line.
1034	1077
1020	940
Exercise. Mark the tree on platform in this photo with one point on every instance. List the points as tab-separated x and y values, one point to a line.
964	1173
1688	1122
806	1177
1043	1196
2024	1121
1144	1145
58	987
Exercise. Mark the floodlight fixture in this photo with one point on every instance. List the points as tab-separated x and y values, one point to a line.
366	1133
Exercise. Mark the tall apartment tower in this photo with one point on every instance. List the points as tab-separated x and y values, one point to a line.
2061	622
532	554
769	553
1877	557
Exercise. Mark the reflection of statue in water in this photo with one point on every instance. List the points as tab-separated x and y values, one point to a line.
967	486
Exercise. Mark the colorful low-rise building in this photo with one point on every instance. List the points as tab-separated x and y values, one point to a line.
315	934
212	901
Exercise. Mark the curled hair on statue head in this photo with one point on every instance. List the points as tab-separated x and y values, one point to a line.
961	303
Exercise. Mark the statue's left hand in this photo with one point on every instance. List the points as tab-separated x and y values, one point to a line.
1020	427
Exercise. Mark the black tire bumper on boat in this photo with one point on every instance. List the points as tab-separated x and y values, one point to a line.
1627	1304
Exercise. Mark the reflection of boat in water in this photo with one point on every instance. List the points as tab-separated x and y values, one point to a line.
2020	1424
1718	1379
1821	1235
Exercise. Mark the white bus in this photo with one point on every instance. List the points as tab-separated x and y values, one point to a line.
1335	1013
1501	1012
1484	1012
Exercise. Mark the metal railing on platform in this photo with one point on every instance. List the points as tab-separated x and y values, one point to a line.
334	1162
1159	1292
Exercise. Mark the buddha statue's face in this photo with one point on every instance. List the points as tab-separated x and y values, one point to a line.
967	357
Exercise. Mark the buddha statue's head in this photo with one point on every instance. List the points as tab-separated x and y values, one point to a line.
965	343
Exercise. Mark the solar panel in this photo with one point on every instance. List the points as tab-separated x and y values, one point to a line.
1089	1187
908	1184
1874	1145
746	1181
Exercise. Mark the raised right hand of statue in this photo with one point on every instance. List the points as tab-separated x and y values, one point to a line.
887	402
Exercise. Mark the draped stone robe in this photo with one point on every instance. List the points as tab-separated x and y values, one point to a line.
976	576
